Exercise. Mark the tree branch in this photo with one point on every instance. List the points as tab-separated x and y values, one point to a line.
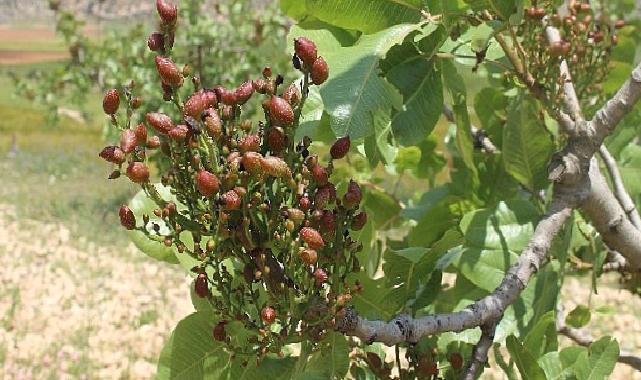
619	189
482	348
404	328
584	338
611	114
609	218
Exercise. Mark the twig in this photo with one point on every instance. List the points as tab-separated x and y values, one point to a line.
482	348
619	189
584	338
480	137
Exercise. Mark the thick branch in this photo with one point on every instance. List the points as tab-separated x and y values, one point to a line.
609	218
404	328
619	189
611	114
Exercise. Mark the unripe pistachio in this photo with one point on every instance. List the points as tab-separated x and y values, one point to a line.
138	172
169	73
320	71
153	142
111	102
305	50
280	112
128	140
160	122
619	24
127	218
296	215
340	148
207	183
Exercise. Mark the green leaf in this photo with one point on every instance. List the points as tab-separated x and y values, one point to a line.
382	208
527	146
269	368
332	360
551	365
508	226
484	268
355	91
579	317
464	142
543	337
191	351
365	15
141	204
374	302
505	8
420	84
293	8
602	356
525	361
407	158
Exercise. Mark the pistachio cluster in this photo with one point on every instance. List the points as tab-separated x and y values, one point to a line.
586	43
270	232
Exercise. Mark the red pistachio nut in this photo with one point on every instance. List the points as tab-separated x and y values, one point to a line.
359	221
353	196
268	315
207	183
138	172
280	111
167	11
169	73
249	143
305	50
292	95
128	140
320	276
141	134
195	105
276	139
156	41
113	154
219	331
179	132
213	124
252	162
111	101
127	218
320	175
309	256
153	142
275	166
312	238
340	148
201	286
320	71
244	92
231	200
160	122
